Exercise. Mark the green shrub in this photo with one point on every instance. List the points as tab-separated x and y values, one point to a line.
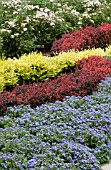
27	27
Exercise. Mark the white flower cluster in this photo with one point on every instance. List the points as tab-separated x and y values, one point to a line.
11	24
48	16
31	7
12	3
15	35
5	30
92	3
68	9
42	14
74	12
85	14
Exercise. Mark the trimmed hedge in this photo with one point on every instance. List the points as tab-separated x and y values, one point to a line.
85	38
35	67
81	82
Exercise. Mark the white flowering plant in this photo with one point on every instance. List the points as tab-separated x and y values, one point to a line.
33	25
26	26
94	13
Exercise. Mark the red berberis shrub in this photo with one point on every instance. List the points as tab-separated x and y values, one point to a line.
85	38
83	81
94	63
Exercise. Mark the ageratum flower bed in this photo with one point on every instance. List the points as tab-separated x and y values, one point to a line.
73	134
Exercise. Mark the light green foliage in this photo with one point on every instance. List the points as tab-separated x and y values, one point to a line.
36	67
108	50
7	74
2	84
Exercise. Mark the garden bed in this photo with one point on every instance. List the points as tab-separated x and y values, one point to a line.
73	134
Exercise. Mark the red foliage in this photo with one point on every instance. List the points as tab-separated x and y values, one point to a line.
94	63
84	38
83	81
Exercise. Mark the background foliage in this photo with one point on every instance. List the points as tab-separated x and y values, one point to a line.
28	26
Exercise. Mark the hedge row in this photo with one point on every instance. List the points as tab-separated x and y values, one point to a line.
35	67
81	82
85	38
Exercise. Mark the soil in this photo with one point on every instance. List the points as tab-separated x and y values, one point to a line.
46	52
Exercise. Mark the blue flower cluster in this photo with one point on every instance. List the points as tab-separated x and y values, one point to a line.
72	135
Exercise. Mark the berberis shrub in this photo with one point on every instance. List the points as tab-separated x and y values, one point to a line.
81	82
74	134
85	38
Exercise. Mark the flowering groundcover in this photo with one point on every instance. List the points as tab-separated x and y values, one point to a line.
73	134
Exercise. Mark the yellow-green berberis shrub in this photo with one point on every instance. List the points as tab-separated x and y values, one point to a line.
67	60
36	67
31	67
2	84
7	74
